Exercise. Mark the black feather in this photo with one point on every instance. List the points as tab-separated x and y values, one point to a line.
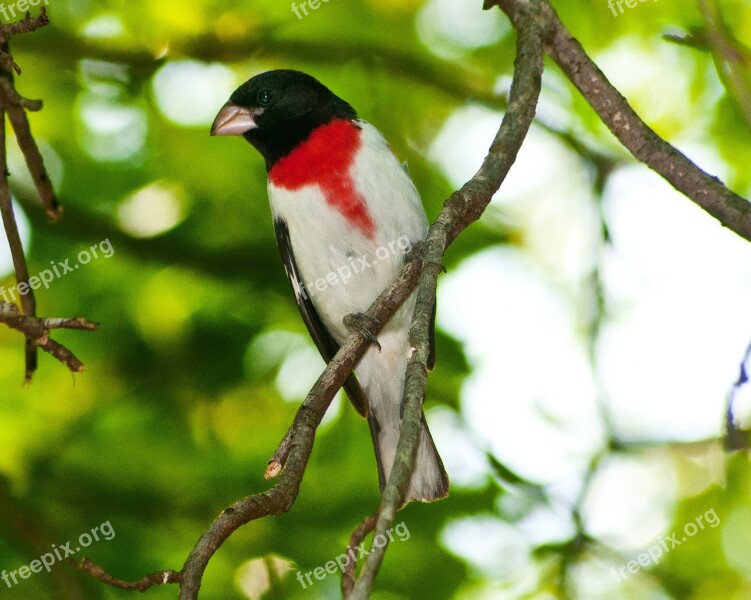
325	343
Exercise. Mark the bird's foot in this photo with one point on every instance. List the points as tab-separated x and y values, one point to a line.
363	324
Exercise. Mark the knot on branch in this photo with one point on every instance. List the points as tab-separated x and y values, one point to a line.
37	332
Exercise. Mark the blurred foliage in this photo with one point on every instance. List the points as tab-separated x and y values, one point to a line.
187	388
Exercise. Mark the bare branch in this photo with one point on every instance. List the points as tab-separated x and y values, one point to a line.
280	498
34	161
355	540
143	584
25	25
28	302
731	210
37	332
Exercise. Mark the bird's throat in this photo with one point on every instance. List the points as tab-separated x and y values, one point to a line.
325	159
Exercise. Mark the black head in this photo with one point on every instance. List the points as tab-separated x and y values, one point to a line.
277	110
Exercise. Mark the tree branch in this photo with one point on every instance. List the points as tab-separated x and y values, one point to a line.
37	332
8	30
356	540
11	102
16	247
280	498
143	584
731	210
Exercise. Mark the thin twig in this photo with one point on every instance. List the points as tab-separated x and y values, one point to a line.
37	332
731	210
25	25
28	302
34	160
356	540
16	105
143	584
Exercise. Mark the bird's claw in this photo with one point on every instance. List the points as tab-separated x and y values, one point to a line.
363	324
438	264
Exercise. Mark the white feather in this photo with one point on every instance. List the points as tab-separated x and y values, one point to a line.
326	245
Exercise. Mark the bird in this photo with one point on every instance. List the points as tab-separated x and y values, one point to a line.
346	214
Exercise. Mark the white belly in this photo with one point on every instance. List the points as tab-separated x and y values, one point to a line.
342	269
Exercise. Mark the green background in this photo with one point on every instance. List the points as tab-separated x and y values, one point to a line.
179	407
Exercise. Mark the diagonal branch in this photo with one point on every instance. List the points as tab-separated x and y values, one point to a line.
30	150
731	210
280	498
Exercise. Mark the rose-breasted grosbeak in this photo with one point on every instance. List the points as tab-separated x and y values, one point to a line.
343	207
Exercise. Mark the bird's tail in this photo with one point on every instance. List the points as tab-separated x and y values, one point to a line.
382	375
429	480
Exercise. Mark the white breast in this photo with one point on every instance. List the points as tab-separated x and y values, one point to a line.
343	270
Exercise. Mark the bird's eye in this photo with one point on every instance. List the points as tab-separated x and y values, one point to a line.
265	97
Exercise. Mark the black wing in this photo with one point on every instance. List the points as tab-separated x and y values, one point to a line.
326	344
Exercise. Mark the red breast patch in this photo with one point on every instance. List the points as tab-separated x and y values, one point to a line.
325	159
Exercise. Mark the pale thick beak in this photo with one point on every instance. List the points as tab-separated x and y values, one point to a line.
235	120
